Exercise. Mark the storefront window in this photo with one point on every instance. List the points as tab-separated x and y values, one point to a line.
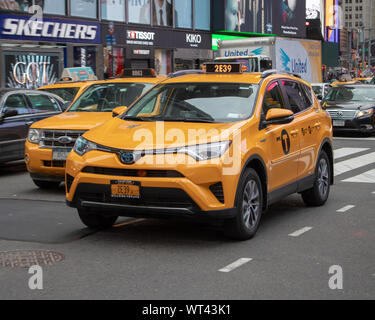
183	14
85	57
163	62
202	14
113	10
162	13
83	8
114	60
139	11
48	6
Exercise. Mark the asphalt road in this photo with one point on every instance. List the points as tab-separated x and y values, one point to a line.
290	257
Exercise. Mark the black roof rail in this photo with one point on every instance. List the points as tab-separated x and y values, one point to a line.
184	72
268	73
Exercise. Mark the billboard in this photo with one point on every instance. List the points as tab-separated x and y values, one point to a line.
281	17
313	9
289	18
332	20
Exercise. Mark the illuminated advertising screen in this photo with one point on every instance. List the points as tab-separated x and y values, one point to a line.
30	70
332	21
289	18
313	9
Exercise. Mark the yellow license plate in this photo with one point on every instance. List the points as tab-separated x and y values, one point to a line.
125	189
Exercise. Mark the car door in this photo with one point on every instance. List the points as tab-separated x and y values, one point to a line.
13	130
300	101
42	105
282	141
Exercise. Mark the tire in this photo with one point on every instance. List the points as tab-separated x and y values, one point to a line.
96	220
249	204
42	184
318	194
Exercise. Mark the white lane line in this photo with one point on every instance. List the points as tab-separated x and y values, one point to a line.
300	231
354	163
343	152
366	177
346	208
235	264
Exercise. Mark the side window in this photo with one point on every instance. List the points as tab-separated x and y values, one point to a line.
42	103
294	93
16	102
306	96
272	98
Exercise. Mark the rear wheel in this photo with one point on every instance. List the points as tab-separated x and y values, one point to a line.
96	220
249	207
318	194
42	184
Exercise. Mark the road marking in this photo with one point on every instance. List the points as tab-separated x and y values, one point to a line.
343	152
235	264
354	163
300	231
346	208
367	177
373	192
128	222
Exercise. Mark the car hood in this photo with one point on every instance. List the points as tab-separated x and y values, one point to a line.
352	105
122	134
73	121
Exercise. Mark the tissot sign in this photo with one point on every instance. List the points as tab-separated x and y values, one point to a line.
162	38
56	30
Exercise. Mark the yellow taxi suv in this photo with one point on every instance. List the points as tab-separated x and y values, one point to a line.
72	83
50	141
222	145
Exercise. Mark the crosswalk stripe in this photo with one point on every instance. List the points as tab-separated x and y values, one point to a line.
354	163
343	152
366	177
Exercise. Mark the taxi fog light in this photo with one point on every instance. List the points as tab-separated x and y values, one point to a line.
34	136
208	151
364	113
82	146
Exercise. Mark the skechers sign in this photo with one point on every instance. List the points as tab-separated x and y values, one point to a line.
22	28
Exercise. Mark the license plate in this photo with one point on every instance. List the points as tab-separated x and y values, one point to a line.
338	123
60	154
125	189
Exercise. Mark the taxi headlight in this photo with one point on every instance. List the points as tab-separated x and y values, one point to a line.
34	136
82	146
364	113
208	151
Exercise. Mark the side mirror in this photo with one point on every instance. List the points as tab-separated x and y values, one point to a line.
119	110
278	116
9	113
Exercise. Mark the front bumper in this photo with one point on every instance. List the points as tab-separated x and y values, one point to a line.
189	195
365	124
40	165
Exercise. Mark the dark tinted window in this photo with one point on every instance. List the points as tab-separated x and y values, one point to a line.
67	94
363	93
295	96
306	96
272	98
42	103
16	102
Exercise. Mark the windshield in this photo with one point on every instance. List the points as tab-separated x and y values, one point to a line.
317	90
67	94
107	96
195	102
351	94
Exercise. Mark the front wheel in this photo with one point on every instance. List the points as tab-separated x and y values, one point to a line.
95	220
318	194
249	207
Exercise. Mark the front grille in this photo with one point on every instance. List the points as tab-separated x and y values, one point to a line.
68	182
133	172
156	197
218	192
54	163
342	114
50	138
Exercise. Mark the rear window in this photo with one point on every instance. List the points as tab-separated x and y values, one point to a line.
67	94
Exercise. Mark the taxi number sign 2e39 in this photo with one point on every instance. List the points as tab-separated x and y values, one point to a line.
223	67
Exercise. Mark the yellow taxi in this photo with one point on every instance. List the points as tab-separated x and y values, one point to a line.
72	83
50	141
365	80
222	145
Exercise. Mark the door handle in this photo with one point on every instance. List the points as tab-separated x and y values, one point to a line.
317	125
294	133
